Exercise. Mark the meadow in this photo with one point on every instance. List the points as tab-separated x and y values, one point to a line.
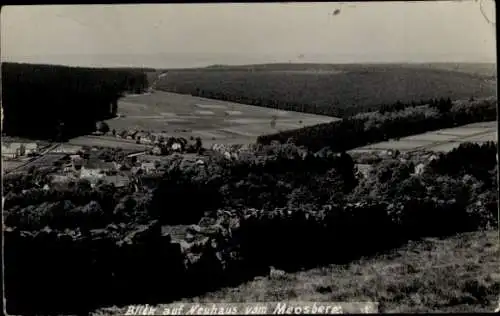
211	120
333	90
439	141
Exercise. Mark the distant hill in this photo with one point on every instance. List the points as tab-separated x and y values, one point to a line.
484	69
333	89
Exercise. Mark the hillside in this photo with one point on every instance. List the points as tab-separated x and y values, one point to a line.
334	90
452	275
39	99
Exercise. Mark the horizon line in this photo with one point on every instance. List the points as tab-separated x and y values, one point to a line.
252	64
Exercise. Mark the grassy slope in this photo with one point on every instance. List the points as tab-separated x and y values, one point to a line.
457	274
361	85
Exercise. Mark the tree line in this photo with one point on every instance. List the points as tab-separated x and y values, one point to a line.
47	101
366	128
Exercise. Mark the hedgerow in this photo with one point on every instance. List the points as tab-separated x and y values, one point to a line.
367	128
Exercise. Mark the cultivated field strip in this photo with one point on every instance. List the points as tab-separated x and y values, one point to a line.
212	120
105	141
42	159
442	140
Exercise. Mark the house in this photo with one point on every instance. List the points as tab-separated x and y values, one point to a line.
148	166
157	150
92	175
146	140
68	169
94	163
141	135
419	169
118	181
13	150
31	148
176	147
364	169
60	179
136	170
118	165
131	134
76	162
433	157
122	134
94	169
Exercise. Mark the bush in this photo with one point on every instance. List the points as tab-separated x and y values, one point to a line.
51	270
102	127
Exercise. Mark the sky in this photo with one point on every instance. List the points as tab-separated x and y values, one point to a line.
189	35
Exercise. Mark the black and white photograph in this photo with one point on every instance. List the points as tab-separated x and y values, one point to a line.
271	158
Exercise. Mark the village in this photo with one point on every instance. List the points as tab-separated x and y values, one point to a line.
96	164
66	163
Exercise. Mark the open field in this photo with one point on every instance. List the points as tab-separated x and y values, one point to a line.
8	165
456	274
441	141
47	159
213	121
334	90
24	163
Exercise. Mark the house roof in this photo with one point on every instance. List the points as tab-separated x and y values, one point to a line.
148	165
31	145
60	178
118	180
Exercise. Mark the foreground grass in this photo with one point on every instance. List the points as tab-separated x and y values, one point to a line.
456	274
